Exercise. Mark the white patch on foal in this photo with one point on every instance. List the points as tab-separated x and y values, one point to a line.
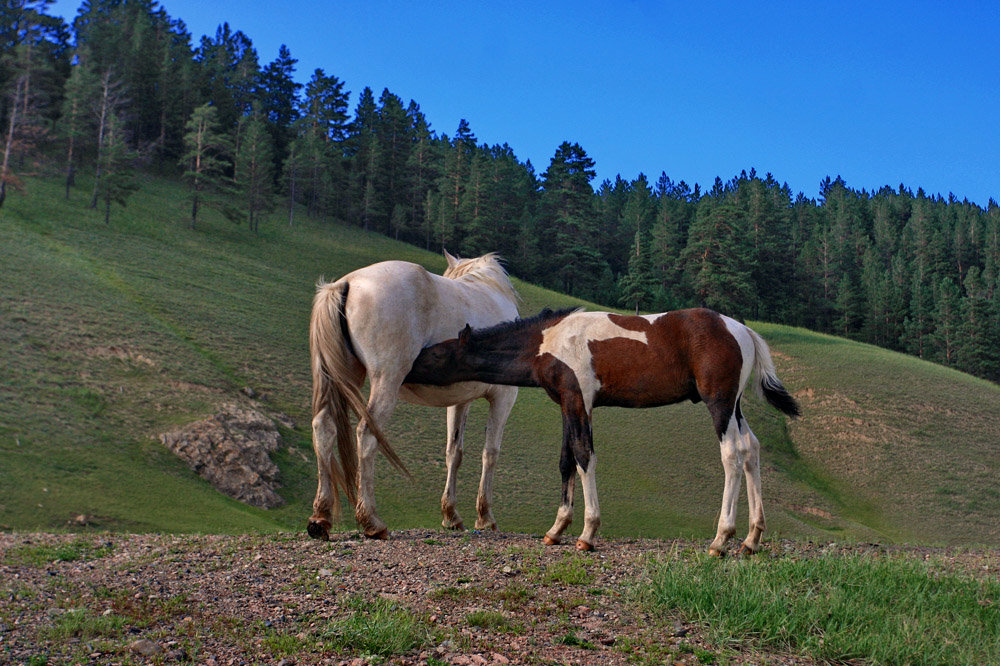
569	342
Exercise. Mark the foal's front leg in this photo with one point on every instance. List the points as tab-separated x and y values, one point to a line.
577	457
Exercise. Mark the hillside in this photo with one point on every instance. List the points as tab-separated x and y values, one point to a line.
111	335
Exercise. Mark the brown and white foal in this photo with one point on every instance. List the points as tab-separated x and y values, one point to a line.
589	359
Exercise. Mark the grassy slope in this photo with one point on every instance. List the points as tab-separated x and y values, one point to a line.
113	334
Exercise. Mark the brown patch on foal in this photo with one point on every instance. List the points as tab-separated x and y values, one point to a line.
672	366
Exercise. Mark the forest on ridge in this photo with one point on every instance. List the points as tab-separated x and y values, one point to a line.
126	89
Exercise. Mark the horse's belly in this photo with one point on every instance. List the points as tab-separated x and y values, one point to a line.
442	396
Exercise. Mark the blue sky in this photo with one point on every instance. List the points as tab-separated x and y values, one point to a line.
879	93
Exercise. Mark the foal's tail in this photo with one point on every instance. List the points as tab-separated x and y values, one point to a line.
333	390
766	382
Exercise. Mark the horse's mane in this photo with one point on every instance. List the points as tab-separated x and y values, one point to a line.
487	270
510	328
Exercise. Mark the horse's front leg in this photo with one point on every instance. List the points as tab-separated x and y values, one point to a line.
457	416
501	400
381	402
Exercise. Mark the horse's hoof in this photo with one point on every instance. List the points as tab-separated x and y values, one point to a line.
583	546
458	527
550	541
715	552
745	551
319	529
381	535
492	526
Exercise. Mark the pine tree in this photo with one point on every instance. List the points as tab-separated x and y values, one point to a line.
109	105
78	99
255	169
637	285
277	96
715	258
947	321
116	163
205	157
571	235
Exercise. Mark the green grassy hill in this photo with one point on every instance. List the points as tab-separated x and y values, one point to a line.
111	335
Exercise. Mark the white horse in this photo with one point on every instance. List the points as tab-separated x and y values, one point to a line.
375	321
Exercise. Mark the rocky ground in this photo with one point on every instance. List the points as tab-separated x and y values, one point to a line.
423	597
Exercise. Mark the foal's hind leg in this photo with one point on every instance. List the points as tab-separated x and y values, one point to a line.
381	402
732	461
325	446
501	400
751	468
457	415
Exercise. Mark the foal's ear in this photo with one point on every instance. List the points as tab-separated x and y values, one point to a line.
465	335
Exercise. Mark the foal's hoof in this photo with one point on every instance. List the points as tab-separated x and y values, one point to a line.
745	551
582	545
458	527
715	552
319	529
550	541
381	535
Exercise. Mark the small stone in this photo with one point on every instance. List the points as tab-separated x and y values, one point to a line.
145	647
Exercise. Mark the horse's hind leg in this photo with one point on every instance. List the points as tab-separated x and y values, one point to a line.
501	402
325	446
751	468
381	402
457	416
732	461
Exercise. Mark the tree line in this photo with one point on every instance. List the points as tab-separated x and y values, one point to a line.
124	88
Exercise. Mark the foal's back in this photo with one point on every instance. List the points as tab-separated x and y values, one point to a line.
648	360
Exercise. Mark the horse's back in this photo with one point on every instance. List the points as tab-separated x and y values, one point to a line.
396	308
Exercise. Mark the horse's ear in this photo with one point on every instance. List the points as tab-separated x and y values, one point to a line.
452	261
465	335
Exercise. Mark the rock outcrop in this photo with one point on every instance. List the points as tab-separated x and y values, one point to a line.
231	451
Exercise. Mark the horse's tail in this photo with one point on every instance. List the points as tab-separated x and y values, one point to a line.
332	355
766	382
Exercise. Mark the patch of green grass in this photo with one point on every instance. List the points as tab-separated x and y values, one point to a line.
380	627
40	555
84	623
494	621
573	640
570	570
835	607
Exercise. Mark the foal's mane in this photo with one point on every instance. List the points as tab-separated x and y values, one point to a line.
486	270
513	327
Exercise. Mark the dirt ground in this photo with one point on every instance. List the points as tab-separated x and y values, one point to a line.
473	598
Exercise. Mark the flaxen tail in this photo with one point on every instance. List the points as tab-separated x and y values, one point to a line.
333	390
766	382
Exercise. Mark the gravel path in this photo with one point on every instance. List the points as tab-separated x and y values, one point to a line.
456	598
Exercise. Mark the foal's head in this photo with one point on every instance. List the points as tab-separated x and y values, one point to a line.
439	365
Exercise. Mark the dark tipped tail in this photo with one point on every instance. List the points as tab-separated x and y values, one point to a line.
767	384
776	395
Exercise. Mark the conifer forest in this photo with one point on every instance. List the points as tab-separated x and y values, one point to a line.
125	90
